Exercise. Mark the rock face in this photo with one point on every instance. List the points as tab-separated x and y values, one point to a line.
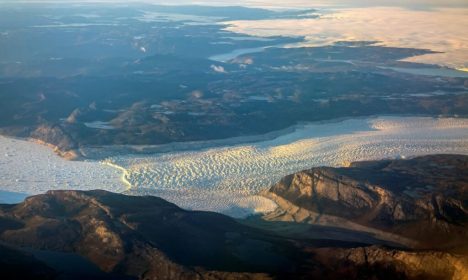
359	263
55	137
424	199
144	237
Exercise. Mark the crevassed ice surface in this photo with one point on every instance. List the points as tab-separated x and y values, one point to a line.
227	179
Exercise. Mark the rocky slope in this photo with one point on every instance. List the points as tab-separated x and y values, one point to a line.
51	135
379	263
420	202
144	237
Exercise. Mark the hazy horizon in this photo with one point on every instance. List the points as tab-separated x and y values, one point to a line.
419	4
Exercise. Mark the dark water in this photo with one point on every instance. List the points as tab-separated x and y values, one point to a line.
12	197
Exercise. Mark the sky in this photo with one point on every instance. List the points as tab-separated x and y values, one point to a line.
418	4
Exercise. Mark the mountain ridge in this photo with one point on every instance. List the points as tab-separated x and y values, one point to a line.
415	199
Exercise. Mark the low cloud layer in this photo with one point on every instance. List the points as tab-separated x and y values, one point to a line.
442	30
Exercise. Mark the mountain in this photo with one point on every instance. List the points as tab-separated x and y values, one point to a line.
145	237
420	202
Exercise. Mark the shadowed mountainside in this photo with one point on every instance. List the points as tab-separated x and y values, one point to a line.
20	265
145	237
420	202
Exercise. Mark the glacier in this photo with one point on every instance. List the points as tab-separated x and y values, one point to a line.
229	179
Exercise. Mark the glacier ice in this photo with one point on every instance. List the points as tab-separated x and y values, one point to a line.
228	179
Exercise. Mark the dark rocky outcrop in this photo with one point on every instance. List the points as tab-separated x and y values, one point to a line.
56	137
424	199
382	263
144	237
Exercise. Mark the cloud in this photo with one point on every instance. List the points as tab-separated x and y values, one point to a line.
219	69
441	30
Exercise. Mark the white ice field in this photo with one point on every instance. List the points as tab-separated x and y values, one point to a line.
31	168
228	179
